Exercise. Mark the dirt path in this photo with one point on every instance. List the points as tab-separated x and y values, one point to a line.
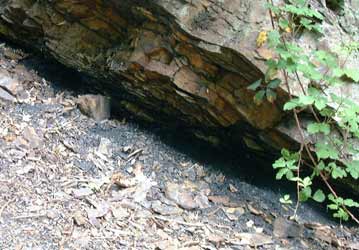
68	182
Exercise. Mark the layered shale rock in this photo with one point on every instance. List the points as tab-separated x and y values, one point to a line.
188	61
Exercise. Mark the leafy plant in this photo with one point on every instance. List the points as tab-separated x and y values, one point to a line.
286	199
328	156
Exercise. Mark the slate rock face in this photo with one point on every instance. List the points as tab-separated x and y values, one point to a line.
173	60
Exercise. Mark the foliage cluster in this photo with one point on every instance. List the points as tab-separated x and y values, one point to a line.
327	143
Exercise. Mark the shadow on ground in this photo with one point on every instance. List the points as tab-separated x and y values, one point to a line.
237	165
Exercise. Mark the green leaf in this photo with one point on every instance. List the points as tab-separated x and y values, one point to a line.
318	28
281	173
333	207
285	199
338	172
258	98
325	151
280	163
285	153
320	103
289	175
319	196
274	83
338	72
314	128
327	112
321	166
341	214
305	22
310	72
273	38
291	105
271	95
353	169
350	203
306	182
305	194
326	58
273	8
352	74
306	99
283	23
255	85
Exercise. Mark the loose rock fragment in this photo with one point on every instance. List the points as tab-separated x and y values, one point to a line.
105	147
185	197
287	229
253	239
79	219
164	209
4	95
353	246
215	238
233	213
95	106
223	200
32	137
324	234
9	84
82	192
123	181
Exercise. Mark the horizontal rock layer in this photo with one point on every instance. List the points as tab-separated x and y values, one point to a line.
192	61
188	61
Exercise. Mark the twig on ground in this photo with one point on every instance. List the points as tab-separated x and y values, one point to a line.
4	206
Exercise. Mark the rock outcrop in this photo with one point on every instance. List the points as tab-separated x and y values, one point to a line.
188	61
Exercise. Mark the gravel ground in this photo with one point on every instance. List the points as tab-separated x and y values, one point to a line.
69	182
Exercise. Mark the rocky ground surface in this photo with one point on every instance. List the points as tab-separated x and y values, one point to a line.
70	182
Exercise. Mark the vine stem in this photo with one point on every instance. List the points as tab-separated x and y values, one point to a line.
303	143
298	176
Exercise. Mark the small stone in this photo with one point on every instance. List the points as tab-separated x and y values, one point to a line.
223	200
250	224
52	214
105	147
4	95
254	239
82	192
9	84
233	212
95	106
254	210
119	212
215	238
353	245
102	208
164	209
170	244
286	229
232	188
79	219
122	181
32	137
26	169
185	197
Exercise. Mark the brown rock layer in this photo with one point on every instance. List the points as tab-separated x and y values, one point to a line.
189	60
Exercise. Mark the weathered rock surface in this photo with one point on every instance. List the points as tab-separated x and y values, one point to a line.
188	61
